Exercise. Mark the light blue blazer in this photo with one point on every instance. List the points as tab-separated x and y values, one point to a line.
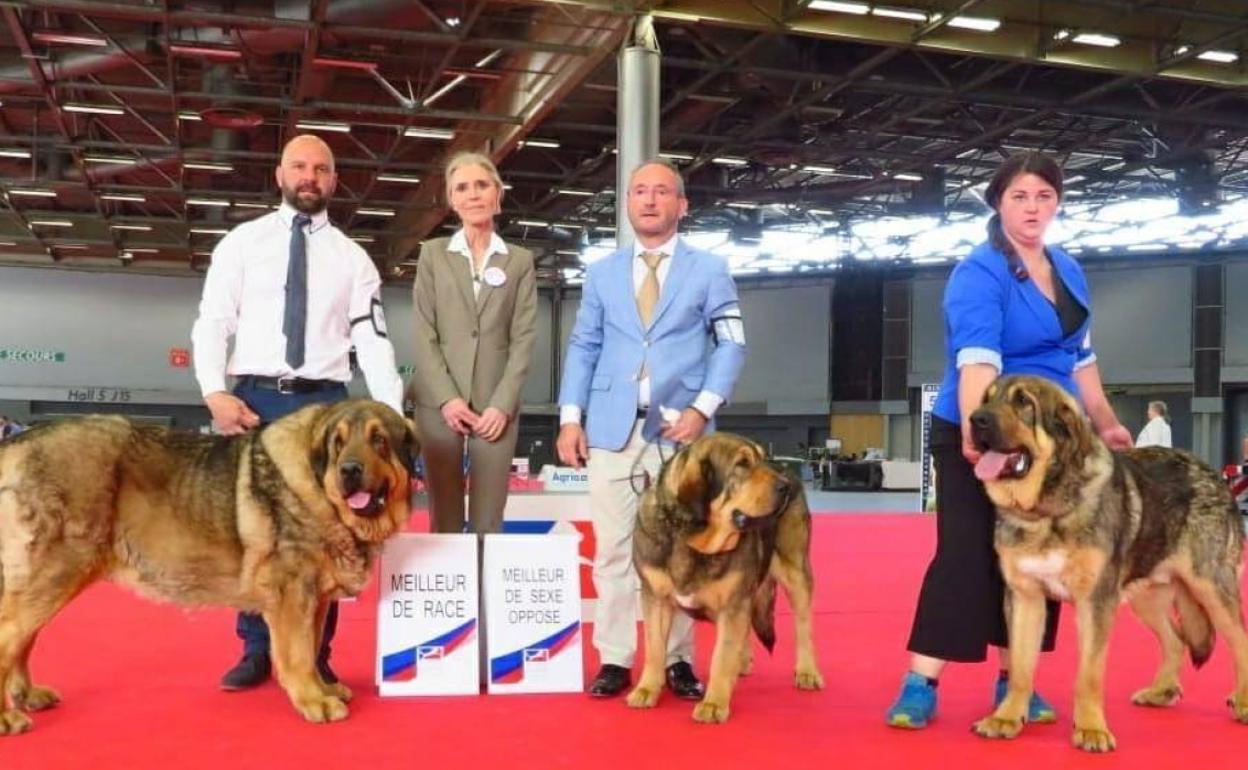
698	311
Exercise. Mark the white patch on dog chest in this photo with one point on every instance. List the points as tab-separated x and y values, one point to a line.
1046	568
688	601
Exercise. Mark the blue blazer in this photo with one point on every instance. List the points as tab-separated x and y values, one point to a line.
698	310
991	317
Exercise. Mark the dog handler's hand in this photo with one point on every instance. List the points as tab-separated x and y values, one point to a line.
572	447
1117	438
230	414
687	427
969	451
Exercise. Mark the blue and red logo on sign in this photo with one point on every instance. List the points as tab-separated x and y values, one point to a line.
509	668
403	665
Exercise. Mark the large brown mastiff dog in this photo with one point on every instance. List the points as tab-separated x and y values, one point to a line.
278	521
714	535
1079	523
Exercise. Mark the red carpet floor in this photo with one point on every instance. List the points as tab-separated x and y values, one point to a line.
139	682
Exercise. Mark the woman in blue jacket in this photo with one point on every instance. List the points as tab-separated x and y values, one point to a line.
1014	306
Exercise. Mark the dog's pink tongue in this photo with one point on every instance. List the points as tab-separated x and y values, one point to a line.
990	465
359	500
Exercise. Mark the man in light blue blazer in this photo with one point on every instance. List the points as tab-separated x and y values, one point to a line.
656	350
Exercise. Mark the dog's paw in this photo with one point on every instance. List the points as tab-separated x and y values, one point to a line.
643	697
709	712
996	727
340	691
1239	708
1096	740
35	698
808	680
1158	697
13	722
322	708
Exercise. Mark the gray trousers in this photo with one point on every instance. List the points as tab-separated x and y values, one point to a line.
489	469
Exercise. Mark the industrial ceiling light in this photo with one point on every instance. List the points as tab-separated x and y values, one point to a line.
725	161
207	202
428	133
670	155
136	228
7	153
119	160
906	176
364	212
324	125
894	12
1220	57
206	166
977	23
534	142
189	115
51	223
1097	39
93	109
532	223
124	198
858	9
398	178
33	193
363	238
580	193
67	38
209	230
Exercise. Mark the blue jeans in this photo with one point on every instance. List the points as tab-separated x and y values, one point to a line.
271	405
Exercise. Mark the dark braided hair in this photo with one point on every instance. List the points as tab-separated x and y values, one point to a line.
1010	169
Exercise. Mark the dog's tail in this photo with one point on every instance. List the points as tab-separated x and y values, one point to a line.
1194	627
763	613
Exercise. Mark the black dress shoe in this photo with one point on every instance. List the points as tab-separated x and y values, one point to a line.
327	673
252	670
683	683
611	681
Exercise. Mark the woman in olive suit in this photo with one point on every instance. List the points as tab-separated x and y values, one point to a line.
475	301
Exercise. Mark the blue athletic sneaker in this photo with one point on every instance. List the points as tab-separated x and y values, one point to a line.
915	706
1038	709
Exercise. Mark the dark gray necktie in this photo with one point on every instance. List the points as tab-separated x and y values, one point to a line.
295	320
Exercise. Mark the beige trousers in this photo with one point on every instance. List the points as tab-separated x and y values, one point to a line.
614	498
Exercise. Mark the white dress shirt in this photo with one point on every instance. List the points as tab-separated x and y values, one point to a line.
459	244
706	402
245	296
1155	433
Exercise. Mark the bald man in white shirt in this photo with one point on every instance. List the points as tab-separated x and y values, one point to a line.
295	294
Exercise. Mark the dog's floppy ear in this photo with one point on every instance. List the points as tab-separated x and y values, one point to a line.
1063	420
695	476
409	447
322	430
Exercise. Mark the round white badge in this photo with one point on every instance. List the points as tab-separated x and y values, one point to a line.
494	276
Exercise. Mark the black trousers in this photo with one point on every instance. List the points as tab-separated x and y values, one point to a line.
962	602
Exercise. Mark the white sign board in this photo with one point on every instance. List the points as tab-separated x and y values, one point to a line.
427	640
533	612
927	489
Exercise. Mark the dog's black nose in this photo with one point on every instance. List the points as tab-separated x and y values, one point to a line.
352	474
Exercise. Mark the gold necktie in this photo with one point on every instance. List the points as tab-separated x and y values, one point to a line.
648	295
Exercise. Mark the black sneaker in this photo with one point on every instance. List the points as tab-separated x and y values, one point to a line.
252	670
